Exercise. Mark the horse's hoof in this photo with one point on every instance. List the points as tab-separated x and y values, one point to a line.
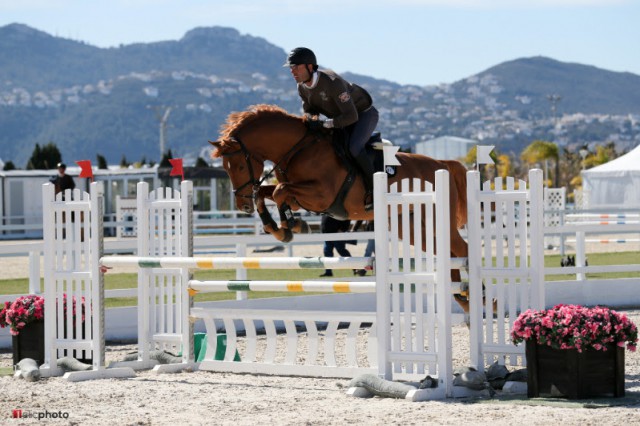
462	301
288	236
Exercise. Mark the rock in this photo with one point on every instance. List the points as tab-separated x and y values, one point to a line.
71	364
497	371
518	375
471	379
29	370
515	388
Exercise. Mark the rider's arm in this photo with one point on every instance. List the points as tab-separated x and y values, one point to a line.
342	105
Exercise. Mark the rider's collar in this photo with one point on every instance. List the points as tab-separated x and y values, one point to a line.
314	81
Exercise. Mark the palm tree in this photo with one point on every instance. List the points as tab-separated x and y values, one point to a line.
542	151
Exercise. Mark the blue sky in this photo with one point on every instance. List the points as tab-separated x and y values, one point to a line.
407	41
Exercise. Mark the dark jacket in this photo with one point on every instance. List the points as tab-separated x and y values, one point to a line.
63	183
334	97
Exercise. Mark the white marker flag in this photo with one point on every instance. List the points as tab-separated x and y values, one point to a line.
389	152
485	154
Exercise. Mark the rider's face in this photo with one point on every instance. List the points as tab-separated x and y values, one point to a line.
300	73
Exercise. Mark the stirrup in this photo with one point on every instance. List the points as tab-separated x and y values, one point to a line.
368	201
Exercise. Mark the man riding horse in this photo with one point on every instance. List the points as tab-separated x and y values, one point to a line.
346	106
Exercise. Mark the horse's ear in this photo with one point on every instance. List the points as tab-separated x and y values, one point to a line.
217	145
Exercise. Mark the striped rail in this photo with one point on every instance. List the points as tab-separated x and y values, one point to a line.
202	262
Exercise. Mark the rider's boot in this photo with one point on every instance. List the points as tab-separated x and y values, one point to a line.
364	163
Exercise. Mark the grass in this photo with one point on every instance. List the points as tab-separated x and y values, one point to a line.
129	280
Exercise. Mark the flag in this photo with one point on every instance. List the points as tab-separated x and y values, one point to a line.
486	155
176	169
85	169
389	154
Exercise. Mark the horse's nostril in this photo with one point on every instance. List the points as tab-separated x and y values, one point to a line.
247	208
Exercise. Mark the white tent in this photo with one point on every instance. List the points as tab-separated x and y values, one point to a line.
614	184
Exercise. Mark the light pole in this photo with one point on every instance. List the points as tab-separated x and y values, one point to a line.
554	99
162	114
583	153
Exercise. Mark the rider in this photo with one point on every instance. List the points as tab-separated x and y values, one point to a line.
345	105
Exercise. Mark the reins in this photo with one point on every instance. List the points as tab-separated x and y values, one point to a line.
256	183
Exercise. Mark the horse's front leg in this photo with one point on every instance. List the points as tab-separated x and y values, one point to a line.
287	196
269	225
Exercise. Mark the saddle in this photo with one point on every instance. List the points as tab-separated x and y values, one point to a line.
340	143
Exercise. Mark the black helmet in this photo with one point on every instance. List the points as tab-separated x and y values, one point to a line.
61	166
301	55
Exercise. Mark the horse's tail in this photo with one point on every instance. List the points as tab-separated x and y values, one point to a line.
459	172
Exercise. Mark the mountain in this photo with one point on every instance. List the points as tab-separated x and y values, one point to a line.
582	88
36	60
90	100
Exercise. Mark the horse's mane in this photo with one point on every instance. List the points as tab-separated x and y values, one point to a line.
237	120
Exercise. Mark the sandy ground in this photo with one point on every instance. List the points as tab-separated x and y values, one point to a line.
201	397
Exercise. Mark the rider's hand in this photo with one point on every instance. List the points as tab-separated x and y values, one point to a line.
315	125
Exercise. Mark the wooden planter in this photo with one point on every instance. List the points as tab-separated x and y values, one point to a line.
572	374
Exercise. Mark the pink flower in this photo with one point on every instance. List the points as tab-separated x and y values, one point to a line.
26	309
575	327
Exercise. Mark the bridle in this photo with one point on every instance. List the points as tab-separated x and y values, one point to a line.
256	183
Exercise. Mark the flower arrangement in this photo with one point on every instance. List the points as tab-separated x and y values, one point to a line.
30	308
576	327
22	311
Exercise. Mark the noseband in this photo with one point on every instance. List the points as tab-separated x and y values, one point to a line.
252	180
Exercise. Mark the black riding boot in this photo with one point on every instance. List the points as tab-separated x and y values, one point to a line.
363	162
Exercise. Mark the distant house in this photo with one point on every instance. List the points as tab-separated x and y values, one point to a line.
445	147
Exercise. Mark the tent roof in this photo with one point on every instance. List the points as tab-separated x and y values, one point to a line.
628	162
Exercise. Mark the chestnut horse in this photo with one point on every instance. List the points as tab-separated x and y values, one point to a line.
310	174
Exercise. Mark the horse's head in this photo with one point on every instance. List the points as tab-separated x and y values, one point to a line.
243	169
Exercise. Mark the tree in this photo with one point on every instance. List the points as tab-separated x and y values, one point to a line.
504	166
44	158
200	162
540	152
603	154
9	166
123	162
165	159
102	162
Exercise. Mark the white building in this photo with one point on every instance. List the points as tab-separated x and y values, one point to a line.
21	192
445	147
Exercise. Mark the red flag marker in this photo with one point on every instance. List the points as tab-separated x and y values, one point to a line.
176	169
85	169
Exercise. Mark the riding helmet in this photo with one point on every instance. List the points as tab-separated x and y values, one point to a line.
301	55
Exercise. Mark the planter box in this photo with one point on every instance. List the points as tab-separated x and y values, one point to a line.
29	343
572	374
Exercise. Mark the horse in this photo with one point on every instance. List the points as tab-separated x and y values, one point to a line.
310	174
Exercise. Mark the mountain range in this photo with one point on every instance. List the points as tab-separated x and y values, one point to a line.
110	101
